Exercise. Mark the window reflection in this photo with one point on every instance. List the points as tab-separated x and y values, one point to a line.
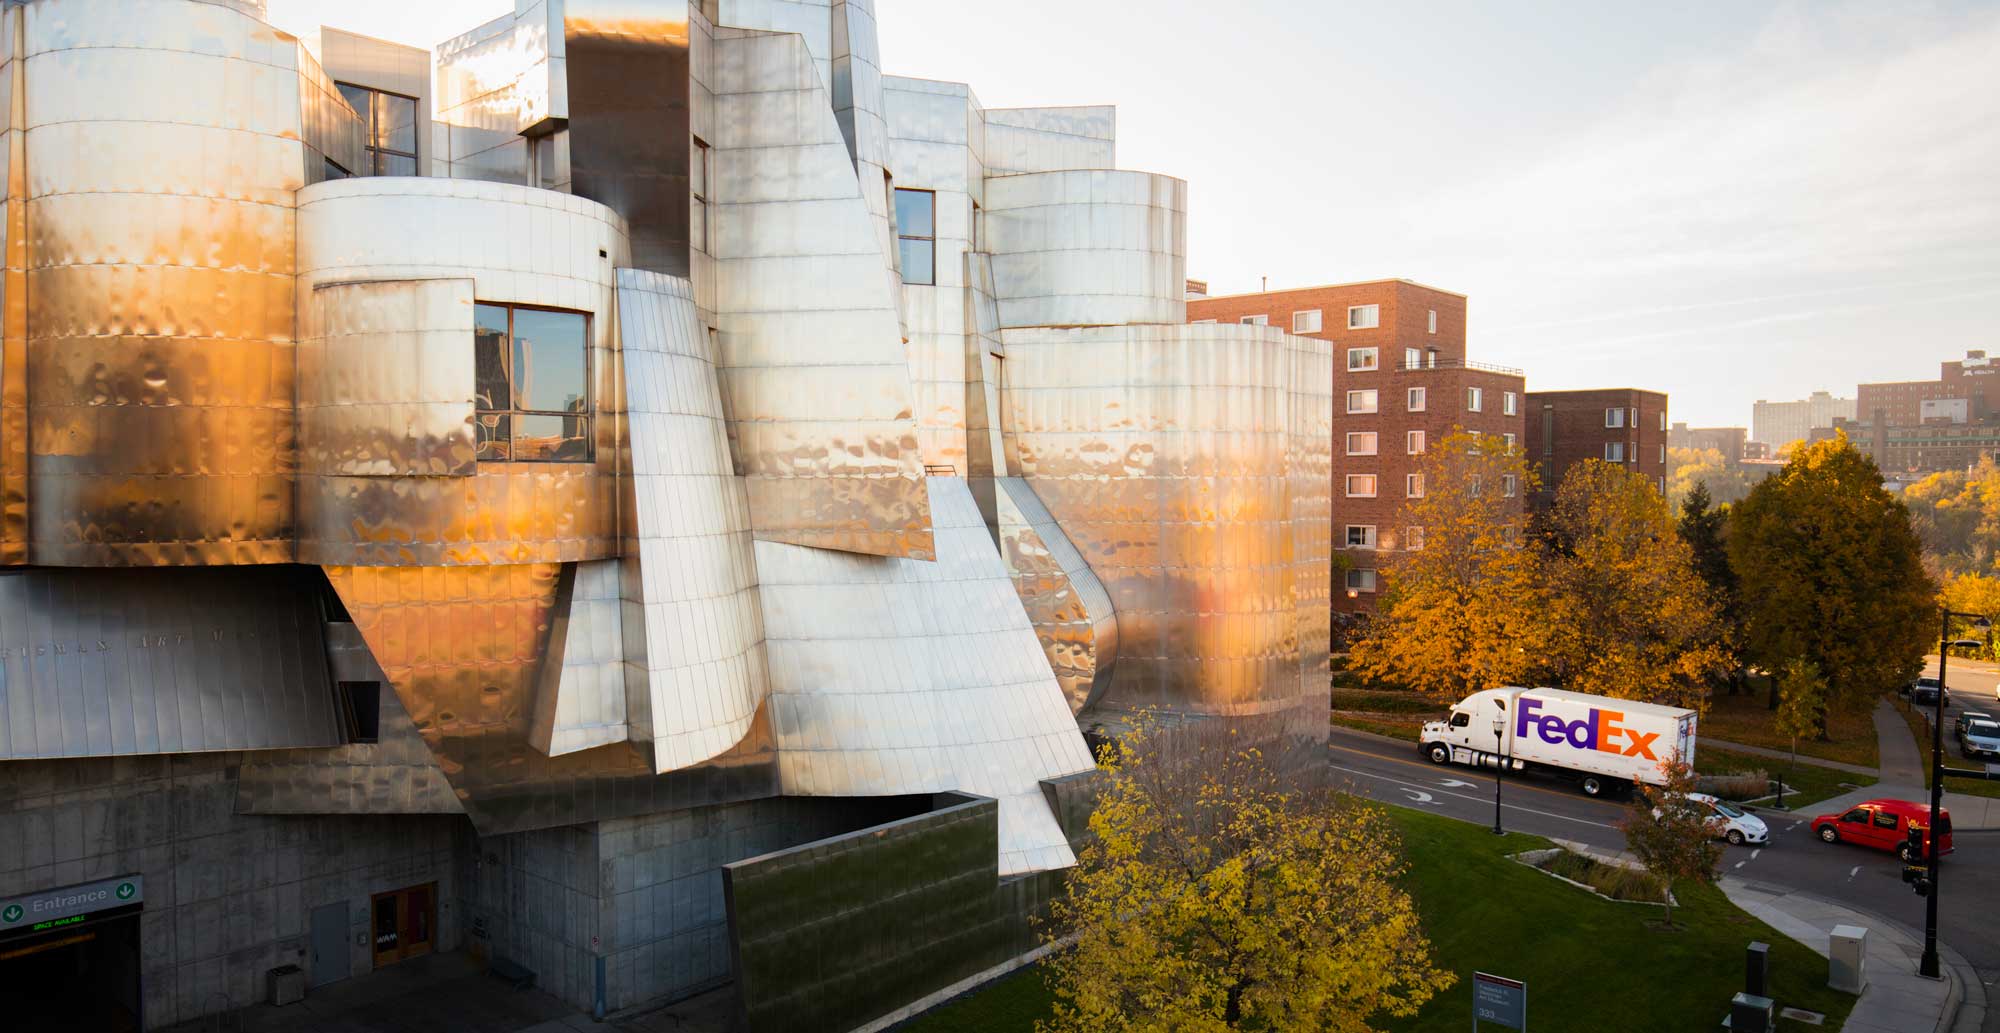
390	122
916	229
532	384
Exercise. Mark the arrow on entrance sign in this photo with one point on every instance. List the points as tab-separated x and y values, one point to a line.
11	914
125	891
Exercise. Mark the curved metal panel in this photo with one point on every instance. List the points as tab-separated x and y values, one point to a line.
515	245
893	676
1090	248
462	646
580	701
1021	140
1067	604
14	294
694	630
1172	458
386	379
814	375
97	663
165	143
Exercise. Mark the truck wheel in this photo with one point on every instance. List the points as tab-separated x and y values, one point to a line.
1592	785
1829	834
1439	753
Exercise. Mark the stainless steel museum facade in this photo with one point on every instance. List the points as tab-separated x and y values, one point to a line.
468	500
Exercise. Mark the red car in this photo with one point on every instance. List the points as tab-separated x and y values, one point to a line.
1884	825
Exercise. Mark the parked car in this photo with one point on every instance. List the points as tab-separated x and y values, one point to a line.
1729	821
1979	737
1925	692
1883	825
1966	717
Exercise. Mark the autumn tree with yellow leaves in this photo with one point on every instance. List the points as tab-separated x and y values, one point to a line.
1462	607
1229	887
1629	615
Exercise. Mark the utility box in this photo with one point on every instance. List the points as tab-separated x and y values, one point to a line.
1749	1013
287	984
1757	969
1847	958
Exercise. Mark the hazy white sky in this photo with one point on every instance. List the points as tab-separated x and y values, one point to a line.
1722	200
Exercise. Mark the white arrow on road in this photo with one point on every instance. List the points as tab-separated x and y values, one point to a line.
1452	783
1418	795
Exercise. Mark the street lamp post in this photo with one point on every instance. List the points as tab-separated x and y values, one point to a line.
1928	965
1500	768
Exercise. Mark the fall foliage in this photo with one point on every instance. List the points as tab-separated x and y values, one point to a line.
1229	887
1671	836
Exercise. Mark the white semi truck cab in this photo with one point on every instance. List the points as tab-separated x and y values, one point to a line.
1605	745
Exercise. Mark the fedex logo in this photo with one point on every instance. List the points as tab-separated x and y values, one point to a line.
1600	731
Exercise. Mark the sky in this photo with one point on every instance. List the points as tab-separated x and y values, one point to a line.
1725	201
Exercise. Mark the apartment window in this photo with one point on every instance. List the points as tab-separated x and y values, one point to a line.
1509	439
1361	486
1509	485
1663	453
1415	400
1360	580
1361	443
1413	358
1364	317
1434	320
1663	419
698	196
1548	433
916	232
1413	442
1413	485
532	384
1255	320
1614	451
1361	536
1614	417
1306	322
1361	401
1663	485
1360	360
1508	406
390	120
1475	399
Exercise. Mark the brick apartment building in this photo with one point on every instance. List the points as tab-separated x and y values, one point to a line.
1401	381
1732	442
1618	425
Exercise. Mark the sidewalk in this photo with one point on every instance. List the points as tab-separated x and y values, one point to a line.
1903	779
1895	999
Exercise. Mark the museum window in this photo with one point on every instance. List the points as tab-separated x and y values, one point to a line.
698	196
532	384
390	120
916	233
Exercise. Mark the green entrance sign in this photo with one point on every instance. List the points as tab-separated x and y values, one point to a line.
47	909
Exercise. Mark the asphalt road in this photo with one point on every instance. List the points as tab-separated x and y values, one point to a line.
1863	879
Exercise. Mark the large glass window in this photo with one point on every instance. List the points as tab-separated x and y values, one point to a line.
391	121
532	377
916	230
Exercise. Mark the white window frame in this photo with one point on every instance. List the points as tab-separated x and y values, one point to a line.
1364	317
1614	451
1509	485
1509	439
1413	485
1372	357
1361	579
1374	401
1253	321
1508	405
1414	443
1413	538
1663	452
1301	325
1663	419
1413	358
1614	419
1372	445
1374	484
1367	536
1416	399
1475	399
1434	320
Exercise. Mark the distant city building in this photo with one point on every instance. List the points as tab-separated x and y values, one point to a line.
1197	289
1730	441
1401	381
1920	427
1778	424
1619	425
1756	450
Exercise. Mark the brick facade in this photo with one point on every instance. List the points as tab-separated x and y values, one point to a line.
1567	427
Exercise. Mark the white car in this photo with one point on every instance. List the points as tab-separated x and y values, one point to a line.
1731	822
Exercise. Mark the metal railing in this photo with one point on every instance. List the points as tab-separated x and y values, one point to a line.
1487	367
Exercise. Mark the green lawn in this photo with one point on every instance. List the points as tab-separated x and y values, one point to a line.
1591	964
1805	784
1747	719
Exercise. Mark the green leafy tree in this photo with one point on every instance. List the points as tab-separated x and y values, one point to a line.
1230	887
1669	834
1830	571
1724	481
1957	517
1972	593
1801	702
1462	611
1628	615
1704	527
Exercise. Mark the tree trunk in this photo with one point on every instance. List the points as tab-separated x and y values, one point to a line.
1232	1012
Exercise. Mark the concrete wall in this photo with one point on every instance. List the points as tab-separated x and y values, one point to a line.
227	895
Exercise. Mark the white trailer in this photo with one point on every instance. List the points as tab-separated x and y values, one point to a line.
1603	744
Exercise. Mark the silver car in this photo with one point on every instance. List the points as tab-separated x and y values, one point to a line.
1980	737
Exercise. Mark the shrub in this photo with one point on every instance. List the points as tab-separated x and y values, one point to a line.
1609	879
1740	785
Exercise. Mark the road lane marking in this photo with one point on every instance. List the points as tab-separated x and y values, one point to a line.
1852	872
1740	864
1452	783
1754	853
1419	796
1475	799
1427	766
1793	826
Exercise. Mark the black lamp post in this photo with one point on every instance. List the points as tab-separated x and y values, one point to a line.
1499	726
1928	965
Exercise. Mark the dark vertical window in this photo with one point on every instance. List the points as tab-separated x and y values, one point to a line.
361	710
532	378
391	122
916	233
698	196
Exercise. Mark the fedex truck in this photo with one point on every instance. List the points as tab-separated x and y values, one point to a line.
1603	744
